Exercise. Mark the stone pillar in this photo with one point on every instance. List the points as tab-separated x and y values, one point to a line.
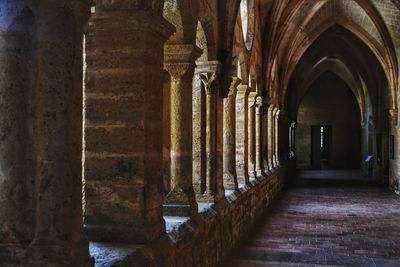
242	169
292	140
283	137
270	137
41	133
252	135
123	123
229	165
209	72
179	61
393	146
199	133
259	137
265	139
276	138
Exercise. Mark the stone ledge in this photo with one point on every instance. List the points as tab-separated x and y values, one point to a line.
179	228
203	241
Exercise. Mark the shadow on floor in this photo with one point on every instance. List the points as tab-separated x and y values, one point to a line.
334	178
326	218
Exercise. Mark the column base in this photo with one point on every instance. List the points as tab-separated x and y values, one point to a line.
229	181
243	181
252	176
180	202
261	174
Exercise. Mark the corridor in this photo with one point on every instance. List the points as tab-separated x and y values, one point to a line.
343	219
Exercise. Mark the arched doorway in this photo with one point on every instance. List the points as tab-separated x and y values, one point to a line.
328	126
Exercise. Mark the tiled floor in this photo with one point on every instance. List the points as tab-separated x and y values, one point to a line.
335	218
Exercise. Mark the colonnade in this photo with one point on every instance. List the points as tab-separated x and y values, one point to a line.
41	216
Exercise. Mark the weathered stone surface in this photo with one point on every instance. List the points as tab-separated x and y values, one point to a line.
123	143
41	133
199	132
229	142
180	63
259	128
155	143
209	75
251	130
242	135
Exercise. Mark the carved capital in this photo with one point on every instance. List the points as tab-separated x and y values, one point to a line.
393	116
178	70
259	101
210	82
276	114
179	60
209	74
252	99
243	89
233	87
259	105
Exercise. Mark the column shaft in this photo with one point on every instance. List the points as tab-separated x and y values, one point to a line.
252	135
209	71
229	142
211	142
242	169
270	138
259	138
180	63
199	133
265	139
277	138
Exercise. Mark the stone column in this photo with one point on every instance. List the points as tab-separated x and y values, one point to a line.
270	137
242	169
179	61
252	135
199	133
276	137
123	123
283	137
229	158
209	72
265	139
41	133
292	140
393	162
259	137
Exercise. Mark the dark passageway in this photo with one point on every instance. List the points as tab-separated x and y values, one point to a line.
335	218
162	133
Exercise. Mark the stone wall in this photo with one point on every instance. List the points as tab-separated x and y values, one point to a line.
220	230
320	107
205	240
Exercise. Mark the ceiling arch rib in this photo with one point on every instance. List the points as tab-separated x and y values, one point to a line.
350	59
358	16
293	59
341	70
